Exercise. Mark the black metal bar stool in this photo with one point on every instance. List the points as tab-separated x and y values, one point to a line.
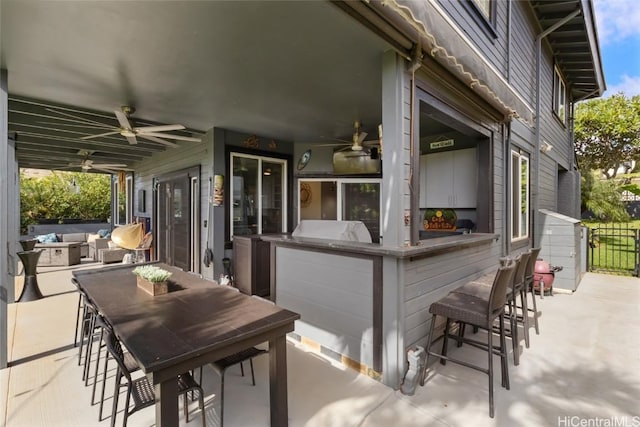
477	312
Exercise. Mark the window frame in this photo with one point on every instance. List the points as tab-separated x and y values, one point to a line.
285	187
559	96
484	21
516	223
127	200
340	182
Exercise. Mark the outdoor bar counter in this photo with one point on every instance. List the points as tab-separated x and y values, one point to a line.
365	304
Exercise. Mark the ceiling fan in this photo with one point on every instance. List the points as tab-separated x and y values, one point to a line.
88	164
151	133
357	143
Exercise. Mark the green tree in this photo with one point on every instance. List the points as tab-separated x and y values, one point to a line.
52	197
603	198
607	133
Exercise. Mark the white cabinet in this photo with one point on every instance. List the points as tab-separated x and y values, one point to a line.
449	179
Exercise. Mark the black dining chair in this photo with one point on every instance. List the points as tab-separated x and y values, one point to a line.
221	366
482	313
129	362
140	390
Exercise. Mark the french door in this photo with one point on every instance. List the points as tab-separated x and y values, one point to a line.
177	221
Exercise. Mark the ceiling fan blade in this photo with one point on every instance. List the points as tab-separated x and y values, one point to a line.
158	140
123	120
132	140
111	170
166	135
161	128
361	137
108	165
337	144
77	118
100	134
84	126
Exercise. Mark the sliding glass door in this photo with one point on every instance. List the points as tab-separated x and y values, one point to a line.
258	189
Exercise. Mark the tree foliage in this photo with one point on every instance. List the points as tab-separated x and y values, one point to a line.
52	197
603	198
607	133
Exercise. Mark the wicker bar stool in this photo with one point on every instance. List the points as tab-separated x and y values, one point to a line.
477	312
531	268
482	289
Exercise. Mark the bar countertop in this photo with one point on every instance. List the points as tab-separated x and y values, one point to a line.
424	248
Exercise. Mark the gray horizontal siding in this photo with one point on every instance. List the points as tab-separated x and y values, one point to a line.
522	70
174	159
334	296
547	190
493	48
429	279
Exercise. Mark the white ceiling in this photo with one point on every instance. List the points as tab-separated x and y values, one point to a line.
296	70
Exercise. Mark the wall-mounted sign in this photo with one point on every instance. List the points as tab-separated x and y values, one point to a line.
440	219
441	144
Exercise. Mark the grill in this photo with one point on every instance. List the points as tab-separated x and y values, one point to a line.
353	231
544	276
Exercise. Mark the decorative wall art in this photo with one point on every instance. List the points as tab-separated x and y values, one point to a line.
218	190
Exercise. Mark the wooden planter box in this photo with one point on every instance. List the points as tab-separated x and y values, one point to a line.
153	288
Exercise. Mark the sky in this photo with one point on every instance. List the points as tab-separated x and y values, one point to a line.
618	26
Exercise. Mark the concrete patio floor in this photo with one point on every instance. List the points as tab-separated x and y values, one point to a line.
583	367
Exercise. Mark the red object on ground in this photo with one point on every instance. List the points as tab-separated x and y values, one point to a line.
545	274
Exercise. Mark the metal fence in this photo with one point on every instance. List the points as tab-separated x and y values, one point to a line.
614	248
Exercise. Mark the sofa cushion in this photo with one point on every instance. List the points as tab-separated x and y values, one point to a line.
47	238
92	237
74	237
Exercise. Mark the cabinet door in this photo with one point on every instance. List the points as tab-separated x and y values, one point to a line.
465	178
439	180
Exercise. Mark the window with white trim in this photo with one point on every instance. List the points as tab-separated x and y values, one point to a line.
259	194
342	199
559	96
519	217
122	188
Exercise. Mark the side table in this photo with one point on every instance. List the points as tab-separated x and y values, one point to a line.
30	291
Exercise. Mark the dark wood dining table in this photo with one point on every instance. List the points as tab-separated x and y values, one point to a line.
195	323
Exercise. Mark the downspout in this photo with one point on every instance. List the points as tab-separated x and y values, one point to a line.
506	182
536	154
414	147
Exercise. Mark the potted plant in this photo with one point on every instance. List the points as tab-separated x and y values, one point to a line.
152	279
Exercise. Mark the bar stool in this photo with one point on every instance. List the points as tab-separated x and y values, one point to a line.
477	312
531	268
481	288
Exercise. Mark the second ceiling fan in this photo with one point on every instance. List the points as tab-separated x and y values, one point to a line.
152	133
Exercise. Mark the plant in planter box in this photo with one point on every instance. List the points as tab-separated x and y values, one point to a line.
152	279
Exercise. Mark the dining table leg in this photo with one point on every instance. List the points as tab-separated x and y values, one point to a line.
166	402
278	381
